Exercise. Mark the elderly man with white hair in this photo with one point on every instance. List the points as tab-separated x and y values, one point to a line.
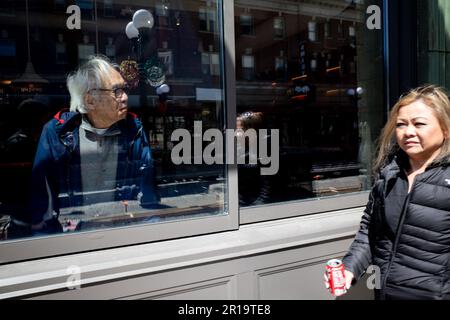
96	152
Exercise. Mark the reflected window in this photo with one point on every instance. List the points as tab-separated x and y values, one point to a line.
86	8
85	49
313	72
61	50
246	23
279	27
207	17
162	10
108	8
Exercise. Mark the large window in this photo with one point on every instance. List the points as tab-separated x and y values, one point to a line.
176	79
314	71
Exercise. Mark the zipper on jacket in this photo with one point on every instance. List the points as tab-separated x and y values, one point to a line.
68	186
398	234
69	189
396	241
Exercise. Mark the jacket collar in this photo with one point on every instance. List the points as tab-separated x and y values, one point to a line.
396	163
67	123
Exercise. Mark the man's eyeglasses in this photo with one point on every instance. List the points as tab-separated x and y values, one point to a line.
118	92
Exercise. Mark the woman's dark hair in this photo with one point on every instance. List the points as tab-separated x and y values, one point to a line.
251	120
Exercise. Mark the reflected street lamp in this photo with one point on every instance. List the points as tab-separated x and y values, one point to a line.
29	77
131	31
150	70
355	94
142	20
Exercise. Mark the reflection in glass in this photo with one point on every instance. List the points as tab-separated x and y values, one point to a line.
279	27
162	12
320	83
248	65
110	49
246	23
85	49
192	91
108	8
87	9
61	53
281	66
207	17
312	31
166	57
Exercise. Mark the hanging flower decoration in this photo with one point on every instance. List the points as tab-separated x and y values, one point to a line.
155	72
130	72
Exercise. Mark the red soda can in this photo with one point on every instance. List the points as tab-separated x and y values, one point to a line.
336	277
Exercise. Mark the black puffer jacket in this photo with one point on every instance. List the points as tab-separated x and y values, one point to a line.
406	235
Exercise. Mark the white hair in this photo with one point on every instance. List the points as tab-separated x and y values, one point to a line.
89	76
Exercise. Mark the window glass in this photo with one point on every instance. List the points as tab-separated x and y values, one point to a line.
314	72
74	174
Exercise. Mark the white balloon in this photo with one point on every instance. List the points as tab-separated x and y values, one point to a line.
164	88
359	91
143	19
131	31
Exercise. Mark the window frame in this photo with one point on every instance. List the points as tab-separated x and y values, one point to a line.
297	208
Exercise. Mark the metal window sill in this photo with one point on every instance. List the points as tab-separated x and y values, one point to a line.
43	275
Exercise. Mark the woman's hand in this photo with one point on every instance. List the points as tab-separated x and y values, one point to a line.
348	279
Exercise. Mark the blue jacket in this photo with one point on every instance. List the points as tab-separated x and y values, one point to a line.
57	161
